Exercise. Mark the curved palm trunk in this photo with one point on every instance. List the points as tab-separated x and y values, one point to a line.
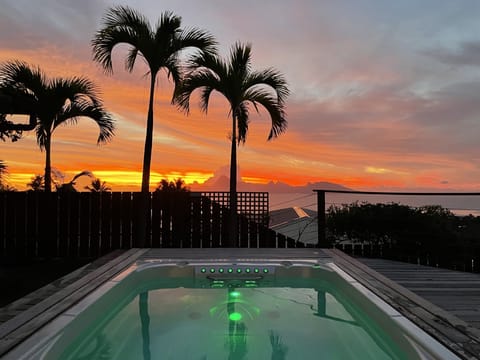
233	238
147	154
144	211
48	165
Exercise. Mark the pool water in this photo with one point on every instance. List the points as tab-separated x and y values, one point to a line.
300	315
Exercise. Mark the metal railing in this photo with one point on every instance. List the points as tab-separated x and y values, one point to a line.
321	205
429	234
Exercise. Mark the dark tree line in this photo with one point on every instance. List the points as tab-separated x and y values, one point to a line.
427	231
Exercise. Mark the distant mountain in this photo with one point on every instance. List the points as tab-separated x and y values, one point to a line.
222	183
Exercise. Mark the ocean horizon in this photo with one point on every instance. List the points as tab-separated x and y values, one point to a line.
459	205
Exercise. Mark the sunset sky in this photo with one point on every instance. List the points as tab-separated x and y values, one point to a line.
384	94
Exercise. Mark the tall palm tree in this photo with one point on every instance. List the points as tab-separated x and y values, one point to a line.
160	47
242	87
58	101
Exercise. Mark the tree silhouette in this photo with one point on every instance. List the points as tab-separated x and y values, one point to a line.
3	172
241	87
15	102
37	183
159	47
178	185
98	185
58	101
70	186
7	130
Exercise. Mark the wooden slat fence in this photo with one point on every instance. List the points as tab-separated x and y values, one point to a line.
88	225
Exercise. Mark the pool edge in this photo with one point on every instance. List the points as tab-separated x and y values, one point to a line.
452	332
349	265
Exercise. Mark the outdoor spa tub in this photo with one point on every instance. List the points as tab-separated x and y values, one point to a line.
195	310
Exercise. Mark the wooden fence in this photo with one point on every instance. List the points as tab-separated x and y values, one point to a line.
88	225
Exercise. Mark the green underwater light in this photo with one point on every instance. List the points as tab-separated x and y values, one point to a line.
234	294
235	316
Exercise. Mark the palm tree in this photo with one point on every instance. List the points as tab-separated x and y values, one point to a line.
3	173
58	101
3	170
160	48
242	87
177	185
98	185
37	183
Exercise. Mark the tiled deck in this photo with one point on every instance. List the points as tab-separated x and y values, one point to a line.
453	328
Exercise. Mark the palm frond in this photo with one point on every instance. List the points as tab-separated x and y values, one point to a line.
242	115
121	15
21	77
204	80
95	112
71	89
173	69
131	58
168	24
271	78
82	173
41	132
198	39
275	109
121	24
240	60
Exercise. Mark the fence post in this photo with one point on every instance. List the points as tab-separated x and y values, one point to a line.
322	239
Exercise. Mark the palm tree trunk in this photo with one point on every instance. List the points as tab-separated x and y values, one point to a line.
147	154
144	211
48	166
233	239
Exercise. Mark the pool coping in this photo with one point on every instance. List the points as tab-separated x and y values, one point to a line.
454	333
450	331
20	327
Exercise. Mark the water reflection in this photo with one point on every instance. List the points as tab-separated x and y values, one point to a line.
237	334
102	349
145	321
279	349
237	330
321	310
244	334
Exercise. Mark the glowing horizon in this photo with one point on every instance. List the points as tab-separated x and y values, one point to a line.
376	103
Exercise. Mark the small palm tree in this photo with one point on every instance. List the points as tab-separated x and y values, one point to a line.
178	185
37	183
98	185
241	87
58	101
160	48
3	170
3	173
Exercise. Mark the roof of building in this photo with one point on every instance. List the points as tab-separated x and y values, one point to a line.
297	223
